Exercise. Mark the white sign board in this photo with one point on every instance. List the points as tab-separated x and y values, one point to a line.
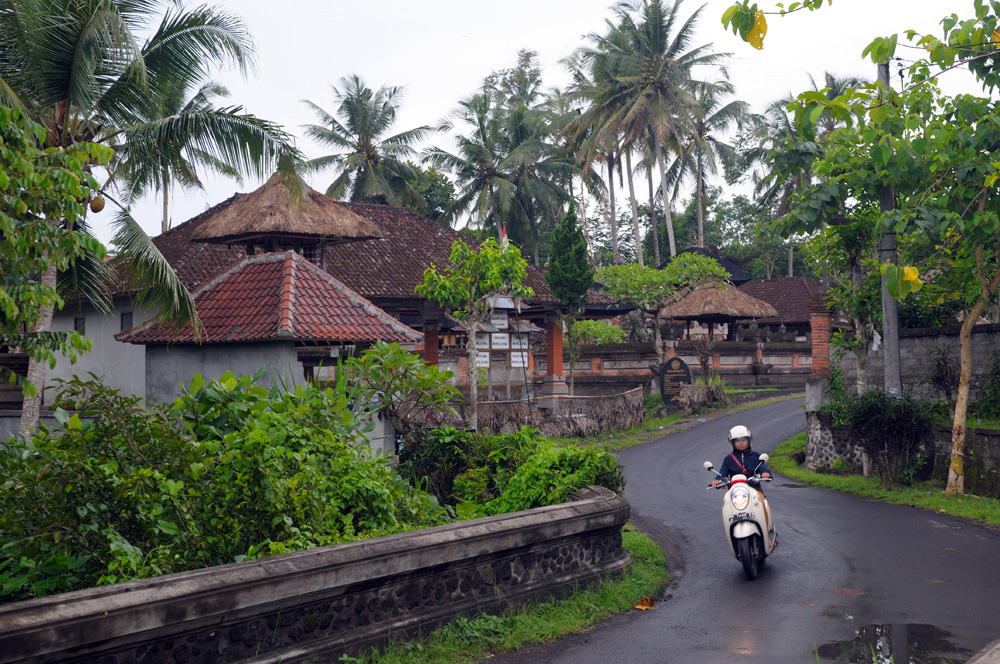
519	359
519	341
482	360
501	341
499	319
483	340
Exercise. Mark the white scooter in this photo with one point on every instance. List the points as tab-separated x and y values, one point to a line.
746	518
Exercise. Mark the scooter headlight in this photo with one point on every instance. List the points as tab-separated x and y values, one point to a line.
740	497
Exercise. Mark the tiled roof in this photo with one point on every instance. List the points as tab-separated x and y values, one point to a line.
394	265
388	267
197	262
278	296
789	295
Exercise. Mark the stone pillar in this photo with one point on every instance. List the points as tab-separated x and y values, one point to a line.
431	355
553	383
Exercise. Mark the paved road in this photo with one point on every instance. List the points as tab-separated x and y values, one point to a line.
927	584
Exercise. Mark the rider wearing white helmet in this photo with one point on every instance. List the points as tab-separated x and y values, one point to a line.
742	460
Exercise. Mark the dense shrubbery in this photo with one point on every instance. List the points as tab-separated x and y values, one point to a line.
229	471
481	474
893	432
232	471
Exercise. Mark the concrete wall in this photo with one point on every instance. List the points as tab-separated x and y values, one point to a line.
915	348
121	364
168	366
315	605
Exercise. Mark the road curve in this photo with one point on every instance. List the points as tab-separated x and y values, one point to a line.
923	582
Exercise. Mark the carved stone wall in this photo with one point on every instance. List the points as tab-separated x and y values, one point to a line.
321	603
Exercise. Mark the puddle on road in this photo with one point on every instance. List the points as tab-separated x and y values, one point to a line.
895	644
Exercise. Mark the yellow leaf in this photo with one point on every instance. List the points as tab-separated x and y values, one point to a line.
645	604
756	36
910	273
996	37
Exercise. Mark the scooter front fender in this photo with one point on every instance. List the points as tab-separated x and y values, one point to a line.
744	529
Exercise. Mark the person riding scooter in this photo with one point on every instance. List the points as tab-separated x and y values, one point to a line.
742	460
745	461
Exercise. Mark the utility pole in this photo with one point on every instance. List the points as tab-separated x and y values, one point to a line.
890	308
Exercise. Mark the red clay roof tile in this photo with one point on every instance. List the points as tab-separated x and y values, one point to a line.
272	296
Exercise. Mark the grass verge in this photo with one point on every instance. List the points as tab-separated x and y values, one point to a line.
472	640
925	495
657	426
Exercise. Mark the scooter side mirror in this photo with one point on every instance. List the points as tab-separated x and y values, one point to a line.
764	458
708	465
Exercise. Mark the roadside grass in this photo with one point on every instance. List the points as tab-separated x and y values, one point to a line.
925	495
473	640
657	426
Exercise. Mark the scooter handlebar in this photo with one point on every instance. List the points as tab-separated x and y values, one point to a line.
723	484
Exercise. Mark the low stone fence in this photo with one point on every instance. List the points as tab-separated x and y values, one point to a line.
569	416
318	604
828	442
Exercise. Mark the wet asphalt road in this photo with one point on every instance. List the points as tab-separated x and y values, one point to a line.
843	566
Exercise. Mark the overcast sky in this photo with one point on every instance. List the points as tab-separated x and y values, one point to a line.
440	50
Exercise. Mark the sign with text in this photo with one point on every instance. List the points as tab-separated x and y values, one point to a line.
483	340
482	360
674	373
501	341
519	341
518	359
499	320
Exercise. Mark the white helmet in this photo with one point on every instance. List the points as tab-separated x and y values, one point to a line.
740	432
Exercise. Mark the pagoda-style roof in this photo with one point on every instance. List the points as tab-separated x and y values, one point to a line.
712	302
278	296
285	210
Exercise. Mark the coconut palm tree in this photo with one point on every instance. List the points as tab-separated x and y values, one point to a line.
77	68
371	167
643	70
700	148
179	136
508	175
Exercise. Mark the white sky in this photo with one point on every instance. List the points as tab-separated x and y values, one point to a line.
440	50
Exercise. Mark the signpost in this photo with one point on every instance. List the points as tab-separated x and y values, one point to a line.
674	373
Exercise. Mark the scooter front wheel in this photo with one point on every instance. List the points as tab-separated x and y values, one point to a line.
749	550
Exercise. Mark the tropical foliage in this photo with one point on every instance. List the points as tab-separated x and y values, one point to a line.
229	471
37	186
466	290
77	68
371	166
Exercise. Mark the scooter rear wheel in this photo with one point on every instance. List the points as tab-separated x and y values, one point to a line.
749	550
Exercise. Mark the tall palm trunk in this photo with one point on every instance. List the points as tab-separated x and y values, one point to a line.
165	225
652	218
635	208
615	255
701	212
32	408
586	224
666	201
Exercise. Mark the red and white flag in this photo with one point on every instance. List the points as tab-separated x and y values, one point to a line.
503	237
